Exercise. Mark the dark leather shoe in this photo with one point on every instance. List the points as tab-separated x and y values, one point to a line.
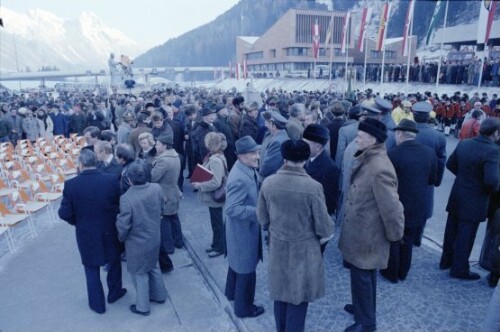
349	308
214	254
257	311
444	266
122	293
388	278
357	327
156	301
135	311
466	276
167	269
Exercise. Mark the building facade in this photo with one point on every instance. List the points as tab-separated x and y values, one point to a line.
286	49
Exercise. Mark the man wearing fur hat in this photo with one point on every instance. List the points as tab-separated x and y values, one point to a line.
292	205
320	166
373	219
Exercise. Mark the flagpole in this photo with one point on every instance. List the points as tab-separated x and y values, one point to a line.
366	53
408	40
382	73
331	52
442	42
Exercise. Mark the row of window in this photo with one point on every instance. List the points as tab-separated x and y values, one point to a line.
307	52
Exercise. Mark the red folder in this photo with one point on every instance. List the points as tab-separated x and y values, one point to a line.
201	174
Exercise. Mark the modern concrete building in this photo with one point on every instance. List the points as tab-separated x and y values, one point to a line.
285	49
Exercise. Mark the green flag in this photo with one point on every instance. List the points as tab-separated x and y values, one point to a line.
434	20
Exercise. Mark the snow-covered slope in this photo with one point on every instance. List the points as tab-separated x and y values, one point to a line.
40	38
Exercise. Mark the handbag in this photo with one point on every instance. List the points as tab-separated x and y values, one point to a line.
219	195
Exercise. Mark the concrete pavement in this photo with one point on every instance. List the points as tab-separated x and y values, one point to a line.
42	286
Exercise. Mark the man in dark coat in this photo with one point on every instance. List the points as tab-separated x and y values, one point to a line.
321	167
338	113
223	126
91	202
416	168
249	126
475	163
107	162
243	236
434	139
198	134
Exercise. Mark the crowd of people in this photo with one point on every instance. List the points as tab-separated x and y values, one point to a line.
284	170
458	72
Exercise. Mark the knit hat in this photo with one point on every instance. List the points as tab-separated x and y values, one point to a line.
295	151
166	139
316	133
375	128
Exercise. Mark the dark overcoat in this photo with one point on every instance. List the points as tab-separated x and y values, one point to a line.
244	246
430	137
91	203
416	169
323	170
475	164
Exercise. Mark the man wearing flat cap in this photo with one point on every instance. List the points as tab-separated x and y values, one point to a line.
320	166
271	158
416	169
373	219
205	126
292	205
385	106
243	236
434	139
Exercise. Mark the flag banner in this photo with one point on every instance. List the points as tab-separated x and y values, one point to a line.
485	21
384	18
409	19
215	73
435	18
315	34
365	20
329	33
245	76
230	69
344	31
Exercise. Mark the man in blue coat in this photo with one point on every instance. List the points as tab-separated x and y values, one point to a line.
91	203
416	168
434	139
243	237
475	163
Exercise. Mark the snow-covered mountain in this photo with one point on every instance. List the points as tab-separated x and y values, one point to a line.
41	39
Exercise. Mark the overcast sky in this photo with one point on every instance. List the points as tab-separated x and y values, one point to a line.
148	22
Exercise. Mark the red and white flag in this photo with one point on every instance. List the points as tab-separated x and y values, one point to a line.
409	19
329	33
245	74
365	19
315	44
345	30
485	21
238	71
384	20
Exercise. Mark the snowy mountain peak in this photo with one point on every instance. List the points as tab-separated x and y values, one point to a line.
39	38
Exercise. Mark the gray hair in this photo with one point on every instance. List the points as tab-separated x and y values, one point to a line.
103	146
138	172
87	158
297	109
408	134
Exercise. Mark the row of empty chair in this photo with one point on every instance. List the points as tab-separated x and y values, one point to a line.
32	178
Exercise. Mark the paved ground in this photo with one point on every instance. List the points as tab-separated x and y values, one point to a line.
42	286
